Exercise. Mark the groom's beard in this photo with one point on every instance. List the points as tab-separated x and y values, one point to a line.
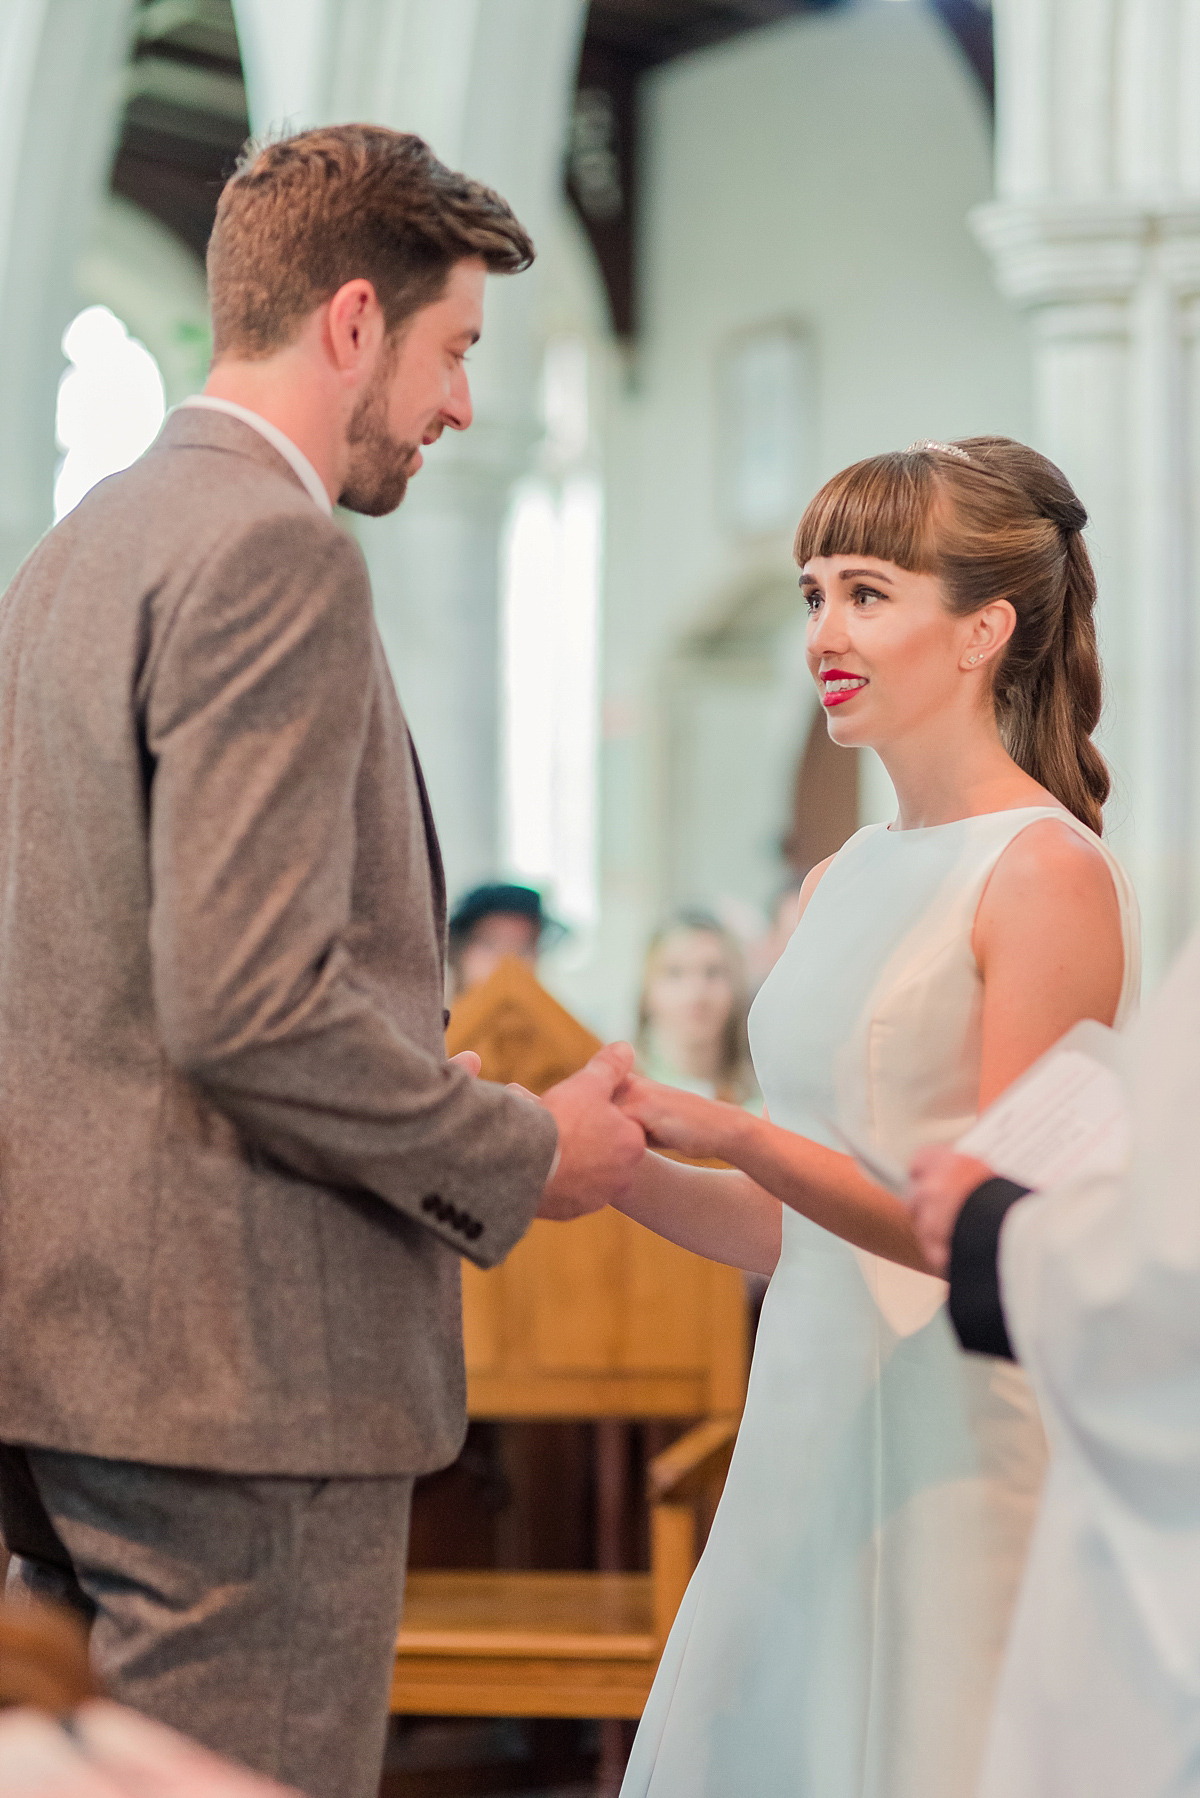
377	477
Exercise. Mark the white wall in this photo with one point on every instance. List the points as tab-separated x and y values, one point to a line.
819	170
156	287
61	69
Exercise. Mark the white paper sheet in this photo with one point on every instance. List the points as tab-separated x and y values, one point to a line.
1066	1118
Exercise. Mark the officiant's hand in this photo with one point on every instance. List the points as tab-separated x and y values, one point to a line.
939	1185
599	1148
705	1129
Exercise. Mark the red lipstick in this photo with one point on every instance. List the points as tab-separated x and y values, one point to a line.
840	694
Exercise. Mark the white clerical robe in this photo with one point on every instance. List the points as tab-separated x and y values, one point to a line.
1100	1282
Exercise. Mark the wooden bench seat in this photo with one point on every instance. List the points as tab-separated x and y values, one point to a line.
594	1319
526	1645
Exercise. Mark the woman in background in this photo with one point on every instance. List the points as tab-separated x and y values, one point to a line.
691	1030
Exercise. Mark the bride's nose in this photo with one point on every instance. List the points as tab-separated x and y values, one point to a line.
827	631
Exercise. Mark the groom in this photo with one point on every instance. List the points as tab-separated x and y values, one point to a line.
236	1170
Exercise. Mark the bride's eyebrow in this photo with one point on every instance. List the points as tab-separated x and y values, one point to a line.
867	574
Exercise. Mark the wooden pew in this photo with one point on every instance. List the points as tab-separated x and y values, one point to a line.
595	1319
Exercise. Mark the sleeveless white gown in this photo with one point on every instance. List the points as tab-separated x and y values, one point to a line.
842	1635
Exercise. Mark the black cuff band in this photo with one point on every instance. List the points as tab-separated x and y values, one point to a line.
975	1308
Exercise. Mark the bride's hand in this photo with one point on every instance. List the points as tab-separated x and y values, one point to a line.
705	1129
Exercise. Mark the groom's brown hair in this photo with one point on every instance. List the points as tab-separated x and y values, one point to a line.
305	214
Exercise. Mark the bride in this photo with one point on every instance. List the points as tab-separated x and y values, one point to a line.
843	1632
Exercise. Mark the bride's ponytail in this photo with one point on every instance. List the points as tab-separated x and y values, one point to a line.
993	520
1048	686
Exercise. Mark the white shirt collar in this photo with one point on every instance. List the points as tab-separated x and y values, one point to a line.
275	437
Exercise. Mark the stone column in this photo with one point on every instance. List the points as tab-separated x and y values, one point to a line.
61	94
489	87
1096	233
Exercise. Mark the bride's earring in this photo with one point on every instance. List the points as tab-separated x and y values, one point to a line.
972	660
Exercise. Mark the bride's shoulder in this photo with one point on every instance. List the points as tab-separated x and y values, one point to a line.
1050	931
1053	862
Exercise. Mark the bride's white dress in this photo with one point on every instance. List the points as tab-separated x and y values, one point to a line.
843	1632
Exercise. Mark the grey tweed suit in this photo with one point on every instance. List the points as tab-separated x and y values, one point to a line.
236	1172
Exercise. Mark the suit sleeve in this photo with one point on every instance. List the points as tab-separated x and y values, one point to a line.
976	1306
255	704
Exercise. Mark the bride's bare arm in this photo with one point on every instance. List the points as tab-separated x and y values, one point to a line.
818	1182
1048	944
716	1212
782	1167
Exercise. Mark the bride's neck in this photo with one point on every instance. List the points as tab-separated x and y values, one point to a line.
951	772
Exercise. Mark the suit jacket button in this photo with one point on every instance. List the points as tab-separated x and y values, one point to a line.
474	1230
430	1202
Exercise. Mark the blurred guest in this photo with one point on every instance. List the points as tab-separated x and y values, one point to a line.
491	923
692	1011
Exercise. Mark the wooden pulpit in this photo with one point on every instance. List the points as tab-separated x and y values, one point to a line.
594	1319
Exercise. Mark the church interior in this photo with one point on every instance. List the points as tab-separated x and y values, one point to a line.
774	237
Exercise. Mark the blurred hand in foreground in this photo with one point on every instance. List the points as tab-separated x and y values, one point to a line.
599	1148
114	1753
940	1182
468	1061
706	1129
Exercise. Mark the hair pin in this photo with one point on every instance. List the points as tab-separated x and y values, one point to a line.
946	449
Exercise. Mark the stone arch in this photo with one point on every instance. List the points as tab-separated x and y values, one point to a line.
1095	233
737	713
139	269
60	94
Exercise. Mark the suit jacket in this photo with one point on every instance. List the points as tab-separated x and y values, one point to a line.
236	1171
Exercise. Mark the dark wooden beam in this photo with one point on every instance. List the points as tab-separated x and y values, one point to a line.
970	24
623	39
602	170
655	31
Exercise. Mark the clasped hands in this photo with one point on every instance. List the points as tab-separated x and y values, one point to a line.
607	1116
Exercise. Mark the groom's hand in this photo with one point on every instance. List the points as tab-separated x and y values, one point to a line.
599	1148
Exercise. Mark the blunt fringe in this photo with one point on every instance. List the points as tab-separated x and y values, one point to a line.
303	215
992	519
